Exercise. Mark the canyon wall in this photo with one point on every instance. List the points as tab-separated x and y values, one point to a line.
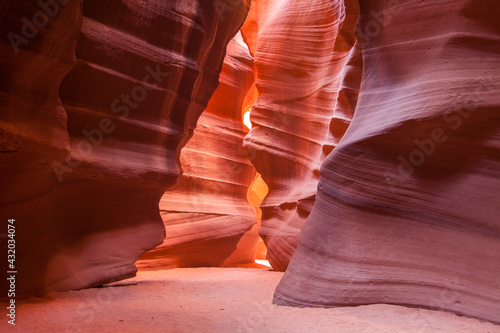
379	139
408	205
206	215
301	50
98	98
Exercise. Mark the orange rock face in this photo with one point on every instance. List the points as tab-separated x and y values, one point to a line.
206	215
301	50
408	202
376	130
83	178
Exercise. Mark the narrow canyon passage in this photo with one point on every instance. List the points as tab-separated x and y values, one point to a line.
212	216
250	166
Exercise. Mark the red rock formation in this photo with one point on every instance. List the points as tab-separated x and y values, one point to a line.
34	59
206	215
260	12
85	194
407	210
301	50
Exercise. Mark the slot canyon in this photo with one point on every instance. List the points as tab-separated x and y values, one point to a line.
250	165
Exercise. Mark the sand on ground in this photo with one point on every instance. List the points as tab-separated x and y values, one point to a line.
215	300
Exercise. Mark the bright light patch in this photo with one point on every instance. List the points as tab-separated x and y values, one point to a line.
246	120
262	262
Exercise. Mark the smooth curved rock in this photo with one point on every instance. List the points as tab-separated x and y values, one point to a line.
408	202
145	72
206	215
260	12
301	50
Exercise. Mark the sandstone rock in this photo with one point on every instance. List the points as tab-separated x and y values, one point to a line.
260	12
408	202
34	60
85	194
208	212
301	50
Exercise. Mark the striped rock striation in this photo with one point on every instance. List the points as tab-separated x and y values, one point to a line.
301	50
206	215
408	204
88	152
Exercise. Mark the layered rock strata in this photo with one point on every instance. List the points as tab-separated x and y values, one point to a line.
301	50
408	202
206	215
83	178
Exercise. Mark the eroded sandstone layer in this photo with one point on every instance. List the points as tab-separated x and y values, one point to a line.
301	50
83	178
207	213
407	209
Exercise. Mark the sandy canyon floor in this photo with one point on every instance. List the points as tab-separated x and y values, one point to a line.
215	300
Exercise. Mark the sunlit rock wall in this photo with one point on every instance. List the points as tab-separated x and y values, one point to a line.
301	50
206	215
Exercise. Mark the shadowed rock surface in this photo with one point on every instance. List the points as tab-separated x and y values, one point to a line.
83	178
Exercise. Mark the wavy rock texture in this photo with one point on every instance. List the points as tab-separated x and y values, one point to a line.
408	202
260	12
145	72
206	215
301	50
